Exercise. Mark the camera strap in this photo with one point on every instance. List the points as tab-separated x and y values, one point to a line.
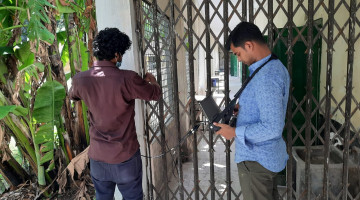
226	114
246	82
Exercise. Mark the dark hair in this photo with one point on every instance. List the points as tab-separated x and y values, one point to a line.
110	41
243	32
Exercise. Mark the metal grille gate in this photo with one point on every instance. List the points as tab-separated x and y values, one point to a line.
174	30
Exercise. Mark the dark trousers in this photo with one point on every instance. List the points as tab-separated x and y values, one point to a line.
126	175
257	182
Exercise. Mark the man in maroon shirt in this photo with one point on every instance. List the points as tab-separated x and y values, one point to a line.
110	94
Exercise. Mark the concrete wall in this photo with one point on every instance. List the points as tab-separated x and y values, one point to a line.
120	14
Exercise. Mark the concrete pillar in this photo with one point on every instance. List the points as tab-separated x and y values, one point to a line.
121	15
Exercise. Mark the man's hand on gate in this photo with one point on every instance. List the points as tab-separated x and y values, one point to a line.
227	131
150	78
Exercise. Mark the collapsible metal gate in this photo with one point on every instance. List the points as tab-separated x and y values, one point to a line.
173	32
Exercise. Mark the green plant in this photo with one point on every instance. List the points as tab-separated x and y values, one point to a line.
39	38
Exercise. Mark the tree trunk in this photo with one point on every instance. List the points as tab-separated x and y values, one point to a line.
59	75
13	173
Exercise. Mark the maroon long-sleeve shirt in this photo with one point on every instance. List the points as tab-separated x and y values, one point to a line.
110	95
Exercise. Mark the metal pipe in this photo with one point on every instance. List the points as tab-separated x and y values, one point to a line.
349	76
208	93
251	11
161	101
271	24
328	88
244	16
148	170
289	112
226	67
310	15
176	96
192	96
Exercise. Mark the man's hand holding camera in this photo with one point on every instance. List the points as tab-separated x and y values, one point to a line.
225	130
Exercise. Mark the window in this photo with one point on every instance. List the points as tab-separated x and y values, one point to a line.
150	61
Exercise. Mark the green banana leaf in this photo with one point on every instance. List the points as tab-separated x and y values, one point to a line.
48	102
84	56
3	71
64	9
47	107
22	52
17	110
36	29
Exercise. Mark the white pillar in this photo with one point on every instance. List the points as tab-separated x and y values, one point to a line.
121	14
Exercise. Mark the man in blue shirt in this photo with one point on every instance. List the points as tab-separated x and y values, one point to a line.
260	149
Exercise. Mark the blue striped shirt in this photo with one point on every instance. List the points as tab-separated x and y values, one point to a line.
261	116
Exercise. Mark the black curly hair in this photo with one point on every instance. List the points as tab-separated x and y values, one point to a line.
110	41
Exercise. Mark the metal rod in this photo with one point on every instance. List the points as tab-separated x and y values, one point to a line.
244	10
349	76
289	170
308	111
328	88
244	16
192	96
271	24
251	11
226	66
208	48
151	184
157	52
208	92
139	31
176	96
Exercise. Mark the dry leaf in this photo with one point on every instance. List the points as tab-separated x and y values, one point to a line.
78	163
4	149
33	46
18	123
5	156
5	153
62	180
2	136
19	81
64	3
82	192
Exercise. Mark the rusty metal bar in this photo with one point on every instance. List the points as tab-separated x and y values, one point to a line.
328	88
176	96
161	101
349	76
310	15
270	24
226	66
139	31
149	183
289	171
244	10
251	11
192	96
208	50
244	16
208	92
